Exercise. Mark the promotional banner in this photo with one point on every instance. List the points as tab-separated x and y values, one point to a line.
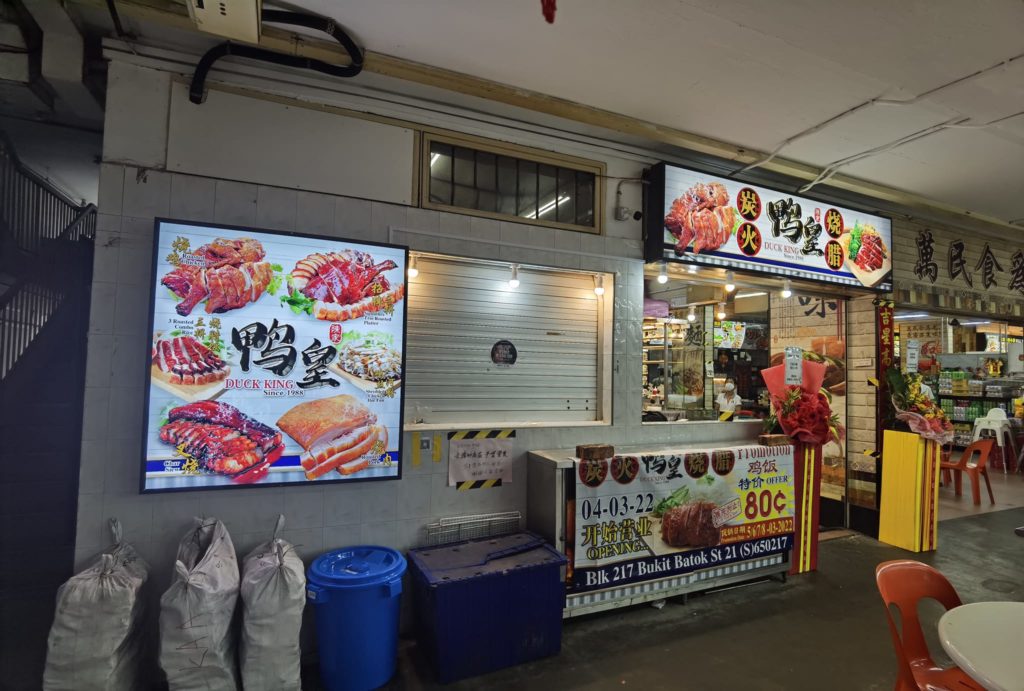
642	517
275	359
721	222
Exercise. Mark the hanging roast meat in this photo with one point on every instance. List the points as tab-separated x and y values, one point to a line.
690	525
703	216
223	439
345	285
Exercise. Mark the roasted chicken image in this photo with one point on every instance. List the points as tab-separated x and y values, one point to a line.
232	277
703	216
345	285
337	433
223	440
184	360
690	525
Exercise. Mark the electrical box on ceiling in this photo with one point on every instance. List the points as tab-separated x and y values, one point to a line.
238	20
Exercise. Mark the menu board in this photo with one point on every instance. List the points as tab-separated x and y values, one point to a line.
276	358
730	334
704	219
647	516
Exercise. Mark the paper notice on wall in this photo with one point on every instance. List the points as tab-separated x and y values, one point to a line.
479	459
794	366
913	354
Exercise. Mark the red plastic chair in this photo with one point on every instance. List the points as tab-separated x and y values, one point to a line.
904	583
983	447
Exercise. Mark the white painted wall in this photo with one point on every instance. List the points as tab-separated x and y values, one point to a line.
319	517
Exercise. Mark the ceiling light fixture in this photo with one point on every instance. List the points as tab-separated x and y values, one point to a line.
662	271
751	295
413	271
513	282
721	311
549	206
691	316
787	289
692	269
730	281
599	285
433	158
920	315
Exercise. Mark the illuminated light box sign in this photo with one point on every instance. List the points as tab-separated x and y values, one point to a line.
275	358
704	219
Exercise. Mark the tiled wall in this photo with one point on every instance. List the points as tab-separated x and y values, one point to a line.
320	517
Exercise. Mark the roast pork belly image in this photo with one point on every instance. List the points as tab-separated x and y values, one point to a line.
338	433
223	439
690	525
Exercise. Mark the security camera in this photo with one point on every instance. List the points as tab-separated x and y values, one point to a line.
637	215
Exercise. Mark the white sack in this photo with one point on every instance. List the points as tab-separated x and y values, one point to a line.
96	638
273	596
197	639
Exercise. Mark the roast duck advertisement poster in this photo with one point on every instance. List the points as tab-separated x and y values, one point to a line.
722	222
275	359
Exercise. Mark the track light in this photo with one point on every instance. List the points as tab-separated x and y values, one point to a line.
691	316
663	271
599	285
513	282
730	281
412	271
721	311
787	289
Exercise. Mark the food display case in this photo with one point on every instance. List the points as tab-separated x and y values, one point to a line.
656	521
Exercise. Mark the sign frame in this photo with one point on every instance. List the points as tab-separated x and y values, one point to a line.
153	291
656	249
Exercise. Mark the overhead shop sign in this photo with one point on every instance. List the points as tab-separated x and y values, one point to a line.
276	358
704	219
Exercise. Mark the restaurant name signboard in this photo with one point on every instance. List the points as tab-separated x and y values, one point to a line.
274	359
945	269
644	516
704	219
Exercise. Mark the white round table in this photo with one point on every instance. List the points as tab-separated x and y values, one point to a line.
986	640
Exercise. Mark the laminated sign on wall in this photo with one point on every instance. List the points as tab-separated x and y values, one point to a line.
480	459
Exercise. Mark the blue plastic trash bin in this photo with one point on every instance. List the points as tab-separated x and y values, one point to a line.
356	591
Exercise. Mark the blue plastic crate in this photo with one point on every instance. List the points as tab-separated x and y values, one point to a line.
487	604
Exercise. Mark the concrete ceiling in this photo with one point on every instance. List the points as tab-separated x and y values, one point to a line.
756	73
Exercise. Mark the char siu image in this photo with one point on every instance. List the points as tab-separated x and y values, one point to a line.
223	439
184	360
690	525
345	285
702	215
338	433
232	278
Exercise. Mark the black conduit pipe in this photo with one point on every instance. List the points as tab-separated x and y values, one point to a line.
196	92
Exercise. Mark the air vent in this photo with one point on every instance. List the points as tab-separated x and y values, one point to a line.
238	20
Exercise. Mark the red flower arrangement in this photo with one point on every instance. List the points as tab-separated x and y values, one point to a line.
804	412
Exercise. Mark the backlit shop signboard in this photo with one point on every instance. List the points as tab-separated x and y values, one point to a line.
274	359
703	219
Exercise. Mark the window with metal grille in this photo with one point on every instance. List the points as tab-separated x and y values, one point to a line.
511	183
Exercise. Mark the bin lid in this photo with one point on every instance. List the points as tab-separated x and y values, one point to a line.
357	566
448	563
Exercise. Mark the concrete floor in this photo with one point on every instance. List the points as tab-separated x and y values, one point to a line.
825	630
1008	490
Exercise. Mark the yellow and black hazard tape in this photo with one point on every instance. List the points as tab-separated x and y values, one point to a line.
873	382
483	434
873	454
479	484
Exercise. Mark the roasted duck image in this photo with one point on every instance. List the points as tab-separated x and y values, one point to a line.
703	216
338	286
232	277
184	360
690	525
337	433
222	439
